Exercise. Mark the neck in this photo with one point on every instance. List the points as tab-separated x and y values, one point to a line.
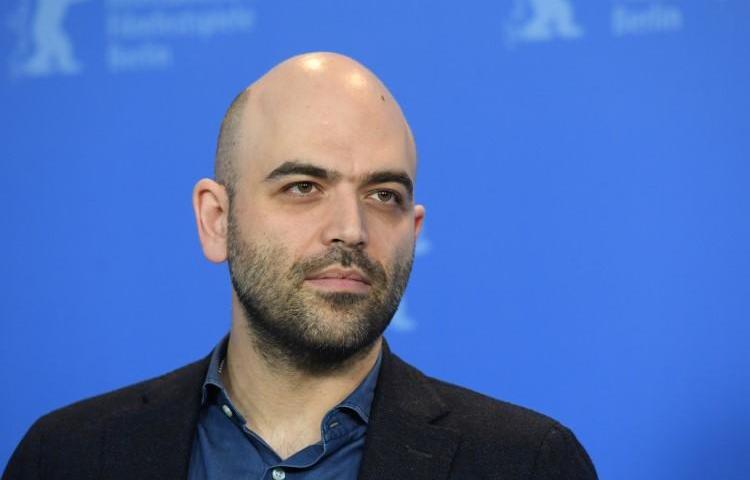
285	406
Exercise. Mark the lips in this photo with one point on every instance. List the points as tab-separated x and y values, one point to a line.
337	279
340	273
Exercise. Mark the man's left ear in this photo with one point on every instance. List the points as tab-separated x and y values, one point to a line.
418	218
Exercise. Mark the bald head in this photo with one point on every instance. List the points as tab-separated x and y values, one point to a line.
319	98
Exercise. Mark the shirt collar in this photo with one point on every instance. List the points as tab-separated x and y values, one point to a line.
359	401
215	365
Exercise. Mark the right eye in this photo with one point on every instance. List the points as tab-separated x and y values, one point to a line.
300	189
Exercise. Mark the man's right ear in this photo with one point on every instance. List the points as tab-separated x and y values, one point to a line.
211	207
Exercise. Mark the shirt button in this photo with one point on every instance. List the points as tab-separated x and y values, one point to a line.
227	411
278	474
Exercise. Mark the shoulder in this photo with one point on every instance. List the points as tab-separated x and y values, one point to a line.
481	412
461	407
117	402
74	434
496	434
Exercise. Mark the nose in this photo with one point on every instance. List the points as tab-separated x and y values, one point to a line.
346	224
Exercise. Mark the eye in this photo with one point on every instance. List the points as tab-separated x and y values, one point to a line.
387	197
300	189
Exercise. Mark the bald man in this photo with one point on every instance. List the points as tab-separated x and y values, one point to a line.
312	208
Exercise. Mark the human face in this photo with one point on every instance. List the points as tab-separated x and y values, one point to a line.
321	233
316	311
294	323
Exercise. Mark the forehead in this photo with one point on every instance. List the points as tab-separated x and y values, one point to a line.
352	132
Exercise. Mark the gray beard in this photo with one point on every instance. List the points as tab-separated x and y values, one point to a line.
287	324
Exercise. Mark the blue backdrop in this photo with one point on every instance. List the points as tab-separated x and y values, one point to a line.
584	167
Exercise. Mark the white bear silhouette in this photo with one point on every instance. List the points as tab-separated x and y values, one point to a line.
549	18
53	51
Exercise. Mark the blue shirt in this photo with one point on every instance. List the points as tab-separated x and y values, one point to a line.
224	448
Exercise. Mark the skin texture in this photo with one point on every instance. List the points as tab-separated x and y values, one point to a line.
303	337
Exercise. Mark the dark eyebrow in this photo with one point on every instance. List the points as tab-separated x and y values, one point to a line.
391	176
301	168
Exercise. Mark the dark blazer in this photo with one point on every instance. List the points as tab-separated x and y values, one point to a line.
420	429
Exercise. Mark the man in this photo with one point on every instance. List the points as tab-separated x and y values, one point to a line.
312	206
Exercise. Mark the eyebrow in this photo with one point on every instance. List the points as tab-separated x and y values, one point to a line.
386	176
301	168
311	170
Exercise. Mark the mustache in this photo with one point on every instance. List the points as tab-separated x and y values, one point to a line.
343	256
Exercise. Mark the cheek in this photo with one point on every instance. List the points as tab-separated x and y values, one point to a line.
390	230
295	234
392	248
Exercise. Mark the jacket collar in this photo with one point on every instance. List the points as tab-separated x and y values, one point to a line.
402	440
154	435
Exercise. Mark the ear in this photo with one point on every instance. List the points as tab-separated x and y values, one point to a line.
418	219
211	207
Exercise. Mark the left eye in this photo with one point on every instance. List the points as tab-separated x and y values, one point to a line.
386	196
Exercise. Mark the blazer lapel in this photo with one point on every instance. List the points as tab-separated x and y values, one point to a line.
402	441
153	439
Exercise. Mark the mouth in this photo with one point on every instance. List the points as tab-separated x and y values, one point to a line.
339	280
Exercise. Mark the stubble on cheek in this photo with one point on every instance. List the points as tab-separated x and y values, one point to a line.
311	329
